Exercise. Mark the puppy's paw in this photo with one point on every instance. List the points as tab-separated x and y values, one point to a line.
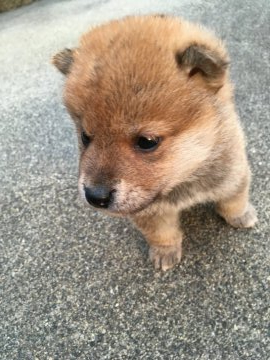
165	257
247	220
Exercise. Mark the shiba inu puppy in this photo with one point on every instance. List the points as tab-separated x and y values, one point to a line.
153	106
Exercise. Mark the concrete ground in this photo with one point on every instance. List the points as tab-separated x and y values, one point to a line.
76	284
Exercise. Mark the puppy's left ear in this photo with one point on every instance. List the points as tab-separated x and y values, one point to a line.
209	64
63	60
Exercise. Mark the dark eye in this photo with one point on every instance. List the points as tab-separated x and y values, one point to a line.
145	143
85	139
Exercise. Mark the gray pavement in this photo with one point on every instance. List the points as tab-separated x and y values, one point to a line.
75	284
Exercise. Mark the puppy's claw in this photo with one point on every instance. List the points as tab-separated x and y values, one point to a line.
165	257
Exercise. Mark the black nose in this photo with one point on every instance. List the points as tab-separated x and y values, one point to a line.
98	196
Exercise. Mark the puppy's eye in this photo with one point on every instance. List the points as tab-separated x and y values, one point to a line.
147	143
85	139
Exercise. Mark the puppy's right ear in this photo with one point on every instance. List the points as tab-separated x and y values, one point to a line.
210	64
63	60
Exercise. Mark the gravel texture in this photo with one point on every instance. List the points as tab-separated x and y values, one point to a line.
75	284
6	5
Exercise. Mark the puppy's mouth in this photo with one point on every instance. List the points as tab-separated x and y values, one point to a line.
116	208
124	199
122	211
125	210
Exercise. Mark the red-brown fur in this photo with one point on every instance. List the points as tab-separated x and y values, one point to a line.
163	77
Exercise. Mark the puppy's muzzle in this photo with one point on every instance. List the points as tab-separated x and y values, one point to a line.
99	196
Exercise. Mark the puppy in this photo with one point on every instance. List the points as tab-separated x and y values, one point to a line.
153	106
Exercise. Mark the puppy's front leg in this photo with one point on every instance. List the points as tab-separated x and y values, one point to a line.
162	232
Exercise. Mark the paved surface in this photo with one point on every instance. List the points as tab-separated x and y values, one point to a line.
76	284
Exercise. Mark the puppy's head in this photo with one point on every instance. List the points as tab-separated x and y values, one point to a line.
144	93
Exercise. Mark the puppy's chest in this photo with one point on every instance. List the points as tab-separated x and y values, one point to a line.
187	194
202	188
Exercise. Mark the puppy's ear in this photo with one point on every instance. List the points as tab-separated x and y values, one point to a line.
63	60
210	64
